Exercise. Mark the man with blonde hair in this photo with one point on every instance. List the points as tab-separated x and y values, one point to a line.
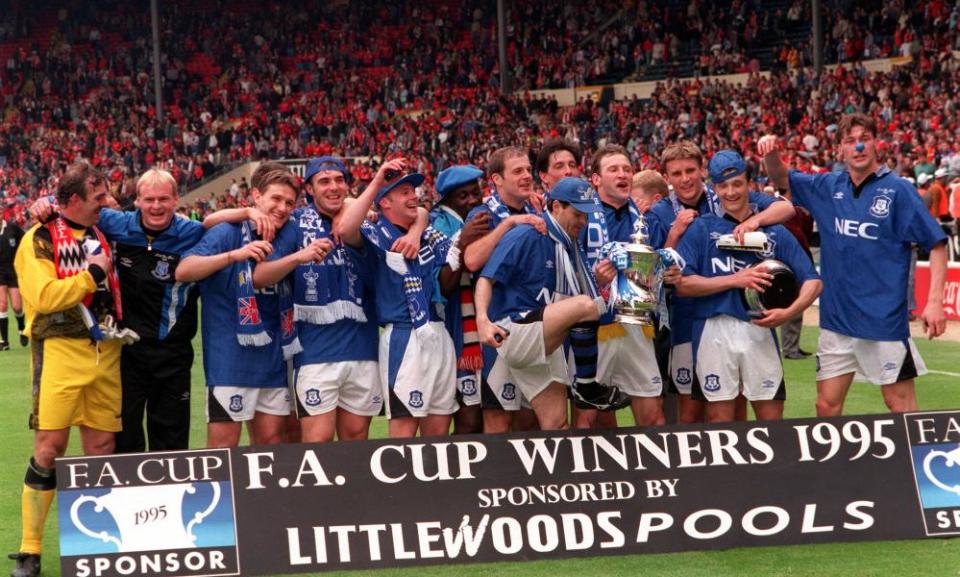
649	187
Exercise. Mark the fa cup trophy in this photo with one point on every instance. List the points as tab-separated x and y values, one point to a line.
636	298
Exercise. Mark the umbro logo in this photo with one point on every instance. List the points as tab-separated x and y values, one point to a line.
549	264
838	195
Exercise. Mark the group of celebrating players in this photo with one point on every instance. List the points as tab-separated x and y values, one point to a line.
492	314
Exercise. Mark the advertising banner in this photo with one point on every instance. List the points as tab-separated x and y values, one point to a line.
388	503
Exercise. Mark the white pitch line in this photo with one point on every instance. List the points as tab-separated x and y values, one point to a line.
947	373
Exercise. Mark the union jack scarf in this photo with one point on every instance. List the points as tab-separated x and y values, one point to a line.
250	329
70	259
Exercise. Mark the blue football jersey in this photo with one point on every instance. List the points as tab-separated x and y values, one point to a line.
392	275
659	219
225	360
523	272
342	272
699	249
865	249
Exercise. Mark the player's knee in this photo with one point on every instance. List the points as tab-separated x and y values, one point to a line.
828	407
100	445
900	399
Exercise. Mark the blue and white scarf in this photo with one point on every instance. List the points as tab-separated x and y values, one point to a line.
327	292
713	201
573	275
435	251
250	330
501	210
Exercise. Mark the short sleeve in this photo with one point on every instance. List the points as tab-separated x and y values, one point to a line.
657	229
217	240
791	253
512	248
913	222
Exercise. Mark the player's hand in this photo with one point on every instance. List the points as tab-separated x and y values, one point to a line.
683	220
316	251
749	225
531	219
672	275
605	272
101	260
753	277
258	250
42	209
491	334
768	144
643	205
934	320
773	318
397	165
537	202
474	230
264	224
408	245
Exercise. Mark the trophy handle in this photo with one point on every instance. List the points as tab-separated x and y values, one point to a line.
102	535
952	458
199	517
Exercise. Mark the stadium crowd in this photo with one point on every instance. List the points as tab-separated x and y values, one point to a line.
237	90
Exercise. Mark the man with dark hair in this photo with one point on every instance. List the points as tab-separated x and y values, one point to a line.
509	205
868	218
626	357
336	385
559	158
71	295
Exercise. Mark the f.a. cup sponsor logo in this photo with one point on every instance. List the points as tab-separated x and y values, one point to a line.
169	514
935	451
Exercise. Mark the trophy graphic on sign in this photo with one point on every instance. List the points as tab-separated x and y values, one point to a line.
148	518
953	460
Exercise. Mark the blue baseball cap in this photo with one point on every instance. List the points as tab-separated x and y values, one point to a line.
414	179
454	177
725	165
323	163
575	191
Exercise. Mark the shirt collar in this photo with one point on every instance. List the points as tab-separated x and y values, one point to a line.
450	211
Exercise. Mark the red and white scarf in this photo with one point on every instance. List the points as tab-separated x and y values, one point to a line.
69	259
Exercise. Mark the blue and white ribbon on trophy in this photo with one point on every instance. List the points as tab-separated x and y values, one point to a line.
668	258
618	256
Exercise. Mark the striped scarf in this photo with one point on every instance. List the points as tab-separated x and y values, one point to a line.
70	259
573	275
250	330
712	201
